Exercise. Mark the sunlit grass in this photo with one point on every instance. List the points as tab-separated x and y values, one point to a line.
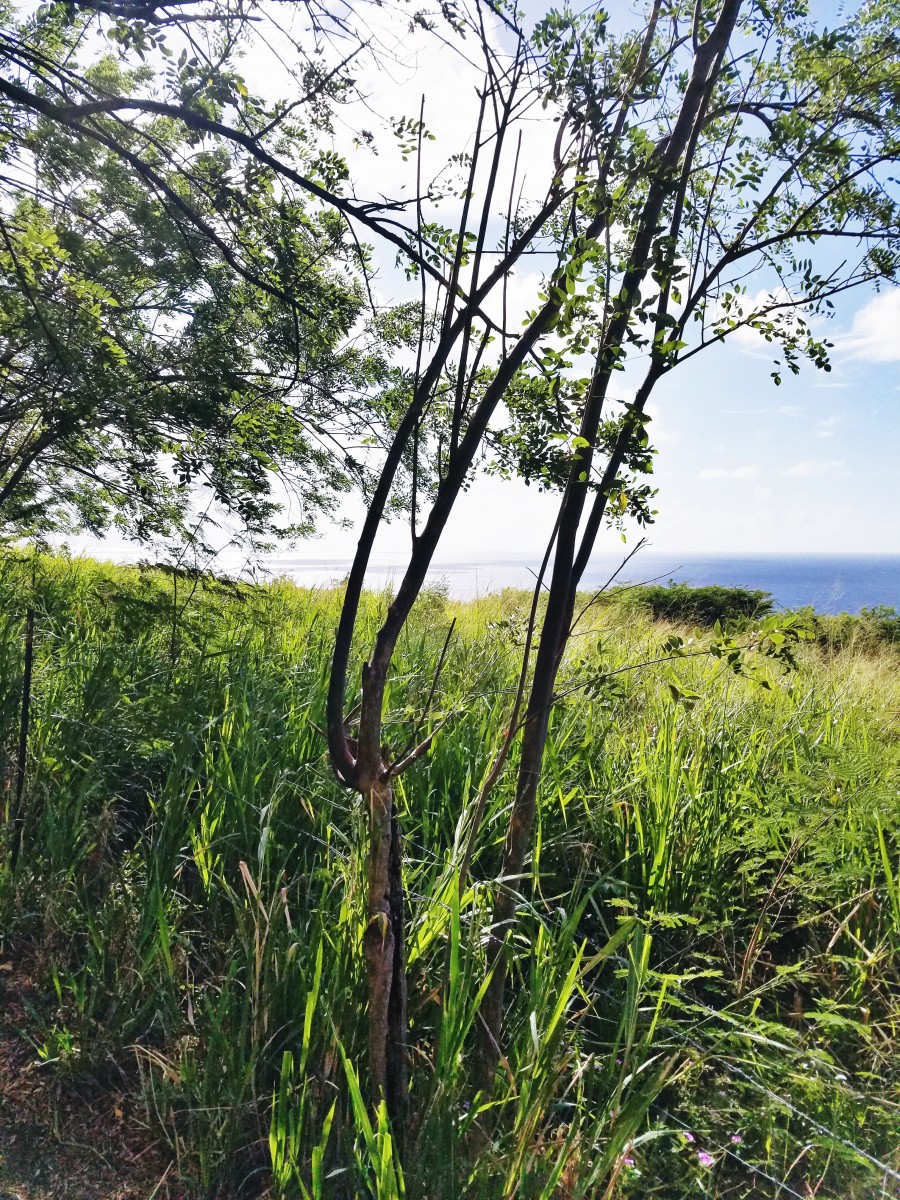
708	936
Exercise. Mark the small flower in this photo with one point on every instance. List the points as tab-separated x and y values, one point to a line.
736	1139
629	1162
704	1159
688	1136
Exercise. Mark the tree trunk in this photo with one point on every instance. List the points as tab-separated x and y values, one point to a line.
569	562
518	838
385	954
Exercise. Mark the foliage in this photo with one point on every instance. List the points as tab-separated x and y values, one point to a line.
712	914
687	604
653	238
886	620
866	631
154	370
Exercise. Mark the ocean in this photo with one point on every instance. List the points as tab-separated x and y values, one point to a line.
831	583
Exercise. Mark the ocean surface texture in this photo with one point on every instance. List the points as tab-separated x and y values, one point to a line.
830	583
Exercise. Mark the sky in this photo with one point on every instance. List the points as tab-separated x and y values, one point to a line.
743	466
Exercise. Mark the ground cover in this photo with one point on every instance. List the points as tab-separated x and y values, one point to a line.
707	1002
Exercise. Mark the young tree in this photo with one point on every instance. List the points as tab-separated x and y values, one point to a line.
726	166
680	166
721	140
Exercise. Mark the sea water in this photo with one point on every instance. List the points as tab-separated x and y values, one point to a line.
831	583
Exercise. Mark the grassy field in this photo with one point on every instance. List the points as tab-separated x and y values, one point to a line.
707	999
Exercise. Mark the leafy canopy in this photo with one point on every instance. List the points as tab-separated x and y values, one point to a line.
177	336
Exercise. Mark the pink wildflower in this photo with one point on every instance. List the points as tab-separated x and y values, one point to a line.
704	1159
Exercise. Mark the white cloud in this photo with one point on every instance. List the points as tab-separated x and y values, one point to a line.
826	428
661	433
875	332
750	472
766	305
785	410
815	467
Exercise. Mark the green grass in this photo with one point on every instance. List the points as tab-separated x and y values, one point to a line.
709	936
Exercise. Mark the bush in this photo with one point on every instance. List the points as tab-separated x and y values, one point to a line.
701	605
886	620
868	631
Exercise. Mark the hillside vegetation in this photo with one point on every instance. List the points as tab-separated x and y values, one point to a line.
710	1005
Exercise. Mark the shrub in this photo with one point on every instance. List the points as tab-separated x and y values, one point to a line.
886	620
684	603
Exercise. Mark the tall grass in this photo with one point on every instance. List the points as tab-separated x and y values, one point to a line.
706	997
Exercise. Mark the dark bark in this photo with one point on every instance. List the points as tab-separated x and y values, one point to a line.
368	771
383	946
27	460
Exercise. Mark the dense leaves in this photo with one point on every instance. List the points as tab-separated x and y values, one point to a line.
679	602
174	333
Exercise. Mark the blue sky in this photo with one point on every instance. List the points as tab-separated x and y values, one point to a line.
743	466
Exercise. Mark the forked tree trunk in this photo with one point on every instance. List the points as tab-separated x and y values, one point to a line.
362	766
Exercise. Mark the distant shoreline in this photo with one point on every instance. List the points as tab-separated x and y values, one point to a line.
830	583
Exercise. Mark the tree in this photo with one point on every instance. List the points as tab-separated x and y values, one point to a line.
726	166
170	335
680	167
